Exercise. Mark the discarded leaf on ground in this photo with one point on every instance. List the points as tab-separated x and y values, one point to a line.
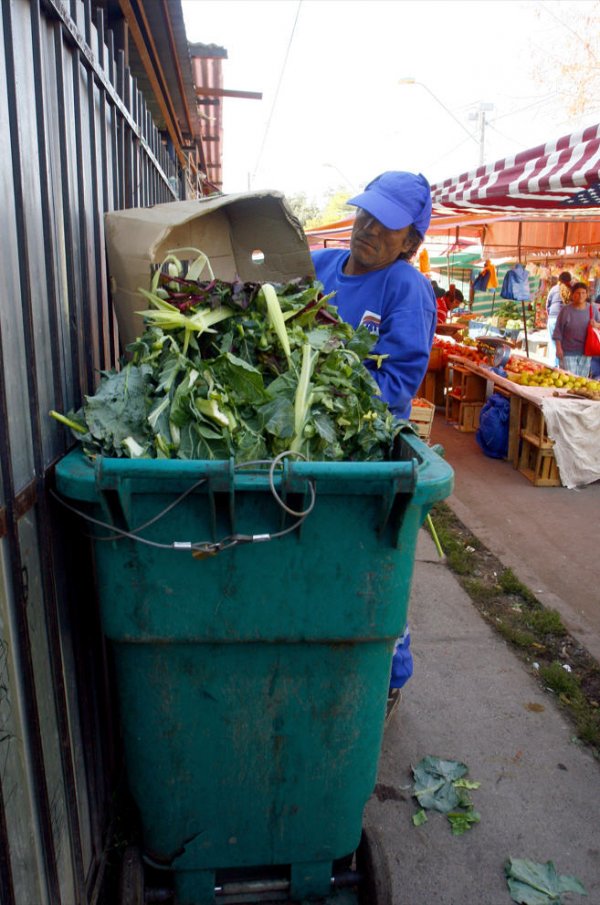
461	821
440	786
419	818
466	784
434	783
532	883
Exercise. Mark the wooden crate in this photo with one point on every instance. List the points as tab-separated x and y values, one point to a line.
538	465
534	426
432	387
421	416
464	415
436	359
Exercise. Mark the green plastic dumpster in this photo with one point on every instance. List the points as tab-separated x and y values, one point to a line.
253	657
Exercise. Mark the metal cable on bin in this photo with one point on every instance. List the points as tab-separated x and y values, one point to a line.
201	549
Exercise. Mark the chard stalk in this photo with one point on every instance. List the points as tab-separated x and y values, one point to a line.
277	319
302	399
69	422
197	266
133	448
175	269
157	412
167	317
210	408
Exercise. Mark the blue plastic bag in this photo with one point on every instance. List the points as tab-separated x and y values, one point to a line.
492	433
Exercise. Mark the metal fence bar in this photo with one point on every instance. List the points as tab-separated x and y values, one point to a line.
92	147
6	877
19	589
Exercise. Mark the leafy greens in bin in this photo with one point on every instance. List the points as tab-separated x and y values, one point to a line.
243	370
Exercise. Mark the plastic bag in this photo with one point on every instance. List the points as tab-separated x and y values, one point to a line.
492	433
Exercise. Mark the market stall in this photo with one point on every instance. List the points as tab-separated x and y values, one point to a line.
539	209
553	429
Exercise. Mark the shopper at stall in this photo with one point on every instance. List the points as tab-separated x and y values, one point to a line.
571	329
558	296
595	365
376	285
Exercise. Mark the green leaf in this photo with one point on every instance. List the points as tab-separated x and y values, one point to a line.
434	783
278	417
461	821
465	784
119	408
243	380
419	818
532	883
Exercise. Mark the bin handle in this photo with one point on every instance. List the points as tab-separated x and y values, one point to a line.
203	549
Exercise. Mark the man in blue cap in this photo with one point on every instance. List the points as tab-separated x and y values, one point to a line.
376	285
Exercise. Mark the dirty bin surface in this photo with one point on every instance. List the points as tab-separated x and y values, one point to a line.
252	674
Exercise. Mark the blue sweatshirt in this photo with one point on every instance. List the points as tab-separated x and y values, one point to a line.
397	304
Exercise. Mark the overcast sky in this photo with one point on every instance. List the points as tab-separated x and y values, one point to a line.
333	113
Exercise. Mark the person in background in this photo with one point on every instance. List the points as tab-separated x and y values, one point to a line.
453	298
571	329
376	285
595	365
558	296
442	309
440	298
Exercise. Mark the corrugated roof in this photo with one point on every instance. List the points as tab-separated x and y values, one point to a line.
208	75
153	38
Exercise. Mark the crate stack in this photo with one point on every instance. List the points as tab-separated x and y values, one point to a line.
432	387
421	417
536	457
465	397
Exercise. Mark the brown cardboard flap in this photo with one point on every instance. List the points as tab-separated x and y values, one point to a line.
229	229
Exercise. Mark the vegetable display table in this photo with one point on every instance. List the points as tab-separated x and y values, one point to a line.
553	436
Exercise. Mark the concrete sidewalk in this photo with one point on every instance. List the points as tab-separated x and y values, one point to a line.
549	536
473	701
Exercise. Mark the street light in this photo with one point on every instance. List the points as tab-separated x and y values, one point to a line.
411	81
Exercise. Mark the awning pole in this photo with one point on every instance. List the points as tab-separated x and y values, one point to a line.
525	329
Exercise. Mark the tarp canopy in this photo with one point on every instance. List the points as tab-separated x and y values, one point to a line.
541	202
559	179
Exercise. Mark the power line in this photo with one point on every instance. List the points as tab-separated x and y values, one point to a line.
538	103
280	80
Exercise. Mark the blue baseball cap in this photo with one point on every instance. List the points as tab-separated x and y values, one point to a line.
397	199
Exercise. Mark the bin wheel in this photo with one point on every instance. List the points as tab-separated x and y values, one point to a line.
131	881
372	864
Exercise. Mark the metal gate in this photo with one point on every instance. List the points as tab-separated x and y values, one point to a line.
77	140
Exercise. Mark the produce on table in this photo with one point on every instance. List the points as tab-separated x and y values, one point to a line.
525	371
240	370
464	350
528	373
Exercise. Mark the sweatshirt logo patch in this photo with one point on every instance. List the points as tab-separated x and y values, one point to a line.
371	321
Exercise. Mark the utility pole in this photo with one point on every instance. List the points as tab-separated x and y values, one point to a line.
479	116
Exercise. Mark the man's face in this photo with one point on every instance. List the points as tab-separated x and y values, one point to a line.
374	246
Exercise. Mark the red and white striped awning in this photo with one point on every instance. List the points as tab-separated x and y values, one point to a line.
560	179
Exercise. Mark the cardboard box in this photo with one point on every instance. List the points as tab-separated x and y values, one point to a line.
254	236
